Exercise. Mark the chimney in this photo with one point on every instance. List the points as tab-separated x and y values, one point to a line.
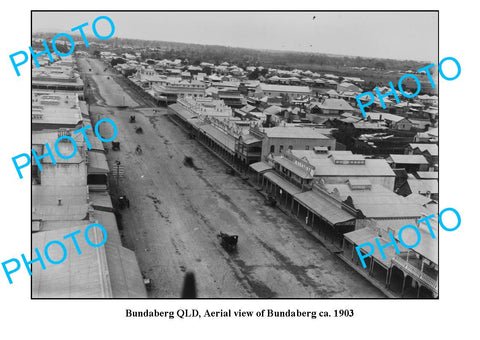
268	120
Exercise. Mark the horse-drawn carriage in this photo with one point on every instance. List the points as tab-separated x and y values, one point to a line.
138	129
228	242
116	146
123	202
132	119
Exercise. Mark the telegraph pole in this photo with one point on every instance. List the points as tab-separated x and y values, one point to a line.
117	163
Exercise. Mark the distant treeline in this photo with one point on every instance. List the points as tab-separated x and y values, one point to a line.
243	57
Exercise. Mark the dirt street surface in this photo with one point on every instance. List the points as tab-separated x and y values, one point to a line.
177	210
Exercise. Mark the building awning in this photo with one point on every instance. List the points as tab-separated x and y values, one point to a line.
367	235
109	222
260	167
81	275
95	143
125	275
182	112
324	208
83	108
297	170
101	200
282	183
97	163
103	272
222	138
249	139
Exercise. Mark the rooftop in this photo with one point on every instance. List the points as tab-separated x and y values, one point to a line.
333	104
103	272
79	276
296	169
291	188
294	132
371	168
220	136
385	116
327	210
432	149
284	88
423	186
427	174
368	234
40	138
407	159
377	201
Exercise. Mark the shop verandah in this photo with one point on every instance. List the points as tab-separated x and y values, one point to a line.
403	275
321	217
410	277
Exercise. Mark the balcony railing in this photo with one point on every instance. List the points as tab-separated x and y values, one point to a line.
417	273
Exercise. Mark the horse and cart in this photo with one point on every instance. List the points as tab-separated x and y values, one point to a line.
228	242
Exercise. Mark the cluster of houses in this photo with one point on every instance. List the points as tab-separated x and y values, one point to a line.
70	194
297	136
300	139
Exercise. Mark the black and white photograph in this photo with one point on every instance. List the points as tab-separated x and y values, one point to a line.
221	170
189	160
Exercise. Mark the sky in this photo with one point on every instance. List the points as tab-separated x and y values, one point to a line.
394	35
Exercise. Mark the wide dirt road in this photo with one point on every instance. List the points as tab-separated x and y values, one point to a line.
176	212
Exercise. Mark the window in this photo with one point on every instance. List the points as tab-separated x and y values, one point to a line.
272	149
307	147
281	148
36	175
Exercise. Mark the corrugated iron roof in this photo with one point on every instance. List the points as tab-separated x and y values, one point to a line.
260	167
372	167
408	159
221	137
379	202
282	183
324	207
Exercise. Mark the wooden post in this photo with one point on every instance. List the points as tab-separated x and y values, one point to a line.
403	284
118	171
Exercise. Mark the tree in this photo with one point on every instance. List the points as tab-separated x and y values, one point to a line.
254	74
380	65
207	70
116	61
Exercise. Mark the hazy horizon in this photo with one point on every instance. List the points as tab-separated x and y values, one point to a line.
351	34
